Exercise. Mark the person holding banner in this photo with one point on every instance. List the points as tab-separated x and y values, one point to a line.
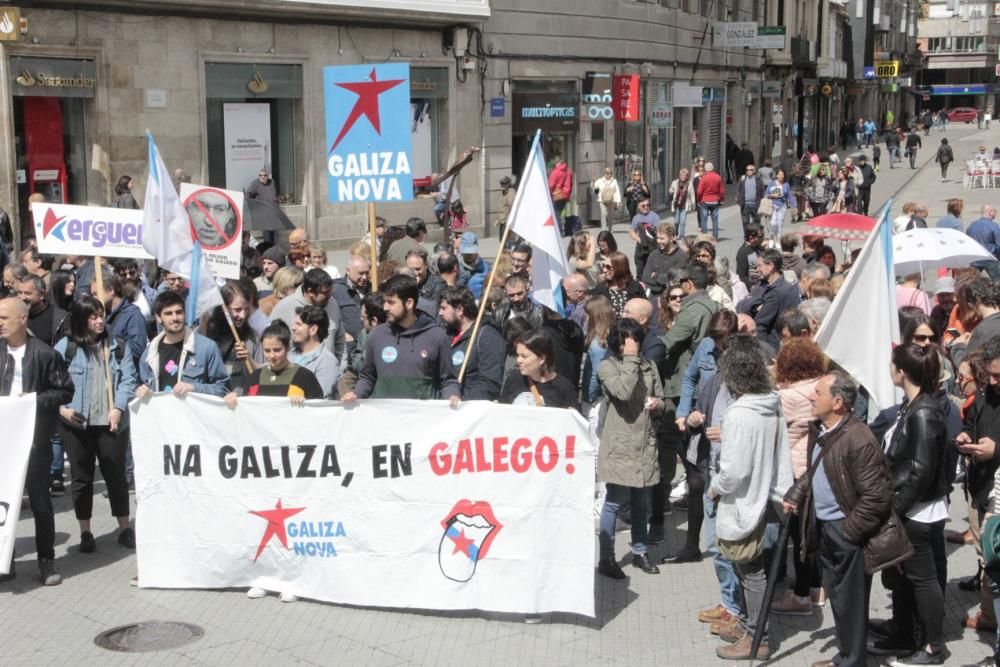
90	427
309	330
537	383
27	366
279	376
627	459
243	349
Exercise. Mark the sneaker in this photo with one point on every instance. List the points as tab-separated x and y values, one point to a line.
87	542
792	605
47	572
126	538
818	597
740	650
920	657
256	593
57	489
10	576
655	534
288	597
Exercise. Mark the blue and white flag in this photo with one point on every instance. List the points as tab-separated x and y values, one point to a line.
862	326
167	235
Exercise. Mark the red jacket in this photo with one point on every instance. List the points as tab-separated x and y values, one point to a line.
710	188
561	178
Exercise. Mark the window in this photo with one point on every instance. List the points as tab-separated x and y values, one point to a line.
971	44
254	122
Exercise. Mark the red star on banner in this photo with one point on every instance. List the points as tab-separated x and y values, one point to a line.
551	222
462	543
275	525
49	222
367	104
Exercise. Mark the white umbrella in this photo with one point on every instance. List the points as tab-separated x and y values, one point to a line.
919	250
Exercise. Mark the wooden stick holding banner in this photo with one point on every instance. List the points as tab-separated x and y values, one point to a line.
374	244
482	302
105	349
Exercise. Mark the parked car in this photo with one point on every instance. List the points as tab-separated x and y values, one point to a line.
962	115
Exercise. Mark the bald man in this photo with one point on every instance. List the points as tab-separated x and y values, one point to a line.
298	242
27	365
653	349
575	288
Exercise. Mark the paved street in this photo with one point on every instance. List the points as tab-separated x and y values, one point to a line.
647	620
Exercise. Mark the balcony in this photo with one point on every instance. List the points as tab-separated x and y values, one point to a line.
802	51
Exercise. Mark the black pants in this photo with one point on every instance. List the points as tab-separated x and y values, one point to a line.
912	154
749	214
864	200
916	596
944	169
848	587
642	253
807	572
84	446
668	444
39	462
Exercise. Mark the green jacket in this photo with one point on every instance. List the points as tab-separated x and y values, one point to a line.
689	328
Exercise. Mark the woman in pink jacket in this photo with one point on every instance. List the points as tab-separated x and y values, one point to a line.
799	367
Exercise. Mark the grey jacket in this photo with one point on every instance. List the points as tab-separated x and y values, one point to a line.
334	341
627	453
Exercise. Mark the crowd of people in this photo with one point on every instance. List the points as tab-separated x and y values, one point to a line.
685	366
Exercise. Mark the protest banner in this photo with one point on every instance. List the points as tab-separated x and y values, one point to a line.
389	503
369	143
19	416
61	229
216	218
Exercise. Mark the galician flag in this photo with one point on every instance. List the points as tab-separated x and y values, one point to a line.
862	326
166	235
533	219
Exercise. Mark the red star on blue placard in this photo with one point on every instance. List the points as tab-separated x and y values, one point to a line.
367	104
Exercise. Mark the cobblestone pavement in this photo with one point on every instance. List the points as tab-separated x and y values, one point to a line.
646	620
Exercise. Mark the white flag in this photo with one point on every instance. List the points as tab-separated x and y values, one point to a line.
862	325
166	233
533	218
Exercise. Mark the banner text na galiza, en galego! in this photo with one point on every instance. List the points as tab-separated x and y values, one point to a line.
18	416
369	141
389	504
62	229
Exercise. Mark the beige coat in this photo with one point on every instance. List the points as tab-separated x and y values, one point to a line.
797	409
627	453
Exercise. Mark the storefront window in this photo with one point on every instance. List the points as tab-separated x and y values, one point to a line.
630	147
552	107
428	90
49	104
253	116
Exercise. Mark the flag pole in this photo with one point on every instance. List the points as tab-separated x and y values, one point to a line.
192	300
374	244
493	269
105	351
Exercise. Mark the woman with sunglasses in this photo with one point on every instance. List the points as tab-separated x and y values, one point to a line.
619	286
635	192
606	244
609	194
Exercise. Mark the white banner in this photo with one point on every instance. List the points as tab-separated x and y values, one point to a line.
216	218
18	416
386	504
247	132
61	229
686	96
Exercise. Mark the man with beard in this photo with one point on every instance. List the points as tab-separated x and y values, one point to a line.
235	354
46	321
272	260
316	290
409	356
310	328
518	304
484	368
124	320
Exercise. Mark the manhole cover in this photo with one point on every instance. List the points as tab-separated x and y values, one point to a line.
148	636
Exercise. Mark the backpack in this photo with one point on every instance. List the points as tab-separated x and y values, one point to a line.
72	348
608	194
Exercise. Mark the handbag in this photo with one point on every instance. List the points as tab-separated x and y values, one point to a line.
766	206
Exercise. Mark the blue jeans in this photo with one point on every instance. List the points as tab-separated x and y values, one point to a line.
680	219
704	211
58	460
618	495
729	584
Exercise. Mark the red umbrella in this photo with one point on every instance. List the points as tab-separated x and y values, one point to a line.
843	226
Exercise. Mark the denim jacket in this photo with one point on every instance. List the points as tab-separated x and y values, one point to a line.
703	365
591	384
201	362
123	378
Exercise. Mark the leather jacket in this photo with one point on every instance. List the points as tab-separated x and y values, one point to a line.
858	474
917	454
44	372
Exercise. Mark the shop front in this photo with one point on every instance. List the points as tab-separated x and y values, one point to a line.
552	107
51	99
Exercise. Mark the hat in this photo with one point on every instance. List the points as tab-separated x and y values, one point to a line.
275	254
944	285
469	244
862	158
505	180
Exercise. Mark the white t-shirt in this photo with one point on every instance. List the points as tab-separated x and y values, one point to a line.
16	389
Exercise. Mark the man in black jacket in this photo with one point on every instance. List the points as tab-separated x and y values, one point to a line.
865	186
28	365
749	193
771	298
746	256
892	146
46	321
484	369
912	144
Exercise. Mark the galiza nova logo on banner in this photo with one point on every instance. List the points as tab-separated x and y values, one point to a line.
487	507
18	417
369	149
61	229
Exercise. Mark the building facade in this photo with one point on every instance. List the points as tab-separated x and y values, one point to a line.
960	40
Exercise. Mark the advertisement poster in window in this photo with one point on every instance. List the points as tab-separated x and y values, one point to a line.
216	218
369	140
423	138
248	142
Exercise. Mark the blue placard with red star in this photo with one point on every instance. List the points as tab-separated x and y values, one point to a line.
369	146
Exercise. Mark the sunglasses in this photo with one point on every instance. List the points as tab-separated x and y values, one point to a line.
607	267
923	338
675	297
